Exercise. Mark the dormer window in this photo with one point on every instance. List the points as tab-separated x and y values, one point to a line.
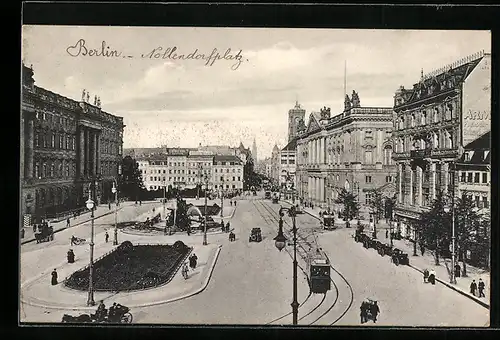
467	157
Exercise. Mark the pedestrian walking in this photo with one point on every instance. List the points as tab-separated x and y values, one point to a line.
22	233
457	270
481	288
54	277
195	260
34	228
387	233
67	223
422	249
473	287
185	271
375	310
107	237
71	256
109	205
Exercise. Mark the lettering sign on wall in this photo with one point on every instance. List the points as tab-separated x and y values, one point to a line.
476	104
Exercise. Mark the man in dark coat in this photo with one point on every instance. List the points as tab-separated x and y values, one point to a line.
54	277
457	270
107	237
71	256
473	287
481	288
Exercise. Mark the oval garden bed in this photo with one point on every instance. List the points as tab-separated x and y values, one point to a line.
132	267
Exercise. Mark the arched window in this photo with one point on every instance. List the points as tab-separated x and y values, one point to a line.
388	155
44	170
412	124
37	170
52	170
423	120
436	115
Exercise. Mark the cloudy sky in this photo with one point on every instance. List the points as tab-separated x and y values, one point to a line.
186	102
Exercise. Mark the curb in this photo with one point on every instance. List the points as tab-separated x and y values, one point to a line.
192	234
74	225
199	290
458	290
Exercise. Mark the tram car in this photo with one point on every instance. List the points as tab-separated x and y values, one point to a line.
328	222
319	273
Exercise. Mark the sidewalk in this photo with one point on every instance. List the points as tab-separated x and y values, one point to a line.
37	291
102	210
443	274
427	261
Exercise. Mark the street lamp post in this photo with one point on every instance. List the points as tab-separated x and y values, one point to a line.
205	214
90	206
280	241
114	190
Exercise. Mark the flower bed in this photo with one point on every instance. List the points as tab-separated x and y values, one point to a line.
132	267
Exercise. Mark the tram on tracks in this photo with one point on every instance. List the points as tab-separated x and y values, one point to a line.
319	273
328	221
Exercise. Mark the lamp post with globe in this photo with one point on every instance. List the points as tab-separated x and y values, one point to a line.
114	190
90	205
280	242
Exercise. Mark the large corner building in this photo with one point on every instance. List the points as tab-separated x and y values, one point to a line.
66	146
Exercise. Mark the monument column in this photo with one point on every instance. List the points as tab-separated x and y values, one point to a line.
87	152
98	152
433	180
81	150
94	153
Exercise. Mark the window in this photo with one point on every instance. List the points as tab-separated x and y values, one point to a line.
368	157
221	178
368	134
215	170
463	174
476	177
44	170
388	179
151	178
469	177
485	177
485	202
67	170
227	170
37	139
423	118
37	170
239	179
368	198
467	157
52	170
234	186
53	140
368	179
234	178
234	170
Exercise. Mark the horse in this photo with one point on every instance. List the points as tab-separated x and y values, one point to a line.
83	318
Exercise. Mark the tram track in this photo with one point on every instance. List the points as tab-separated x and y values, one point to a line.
304	255
270	222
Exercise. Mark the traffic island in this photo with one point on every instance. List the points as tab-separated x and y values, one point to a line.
60	299
132	267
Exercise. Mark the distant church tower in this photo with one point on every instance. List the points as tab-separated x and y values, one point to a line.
254	152
294	116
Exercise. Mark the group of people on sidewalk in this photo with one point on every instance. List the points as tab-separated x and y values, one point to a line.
479	287
193	260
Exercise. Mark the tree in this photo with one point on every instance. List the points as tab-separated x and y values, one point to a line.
130	181
467	221
351	205
435	226
182	220
377	205
481	242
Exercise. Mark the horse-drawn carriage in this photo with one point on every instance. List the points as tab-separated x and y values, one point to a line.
255	235
121	315
45	233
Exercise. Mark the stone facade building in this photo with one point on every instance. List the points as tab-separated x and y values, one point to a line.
66	146
351	150
434	120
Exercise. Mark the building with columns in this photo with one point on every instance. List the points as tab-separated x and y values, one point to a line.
444	111
65	146
351	150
